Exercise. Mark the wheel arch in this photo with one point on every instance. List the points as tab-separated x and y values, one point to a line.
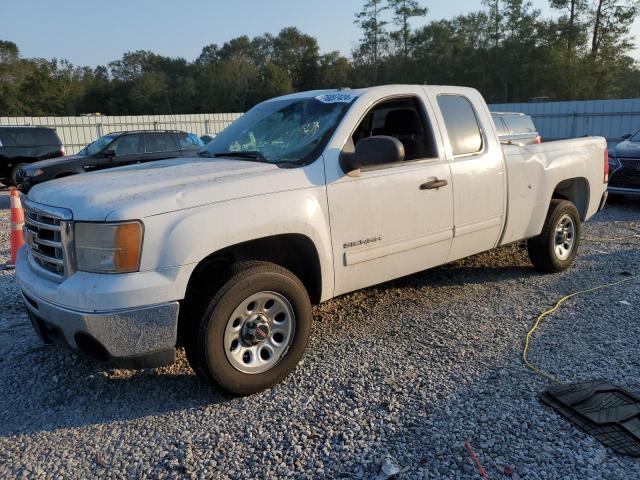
294	251
577	191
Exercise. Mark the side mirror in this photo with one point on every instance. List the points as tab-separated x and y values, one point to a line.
626	137
109	153
369	152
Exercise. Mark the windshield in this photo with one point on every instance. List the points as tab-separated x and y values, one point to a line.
636	137
283	131
97	146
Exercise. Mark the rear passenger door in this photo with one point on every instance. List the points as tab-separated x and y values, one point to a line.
160	145
477	170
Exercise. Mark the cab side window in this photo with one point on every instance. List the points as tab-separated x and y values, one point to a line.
159	142
462	124
401	118
128	145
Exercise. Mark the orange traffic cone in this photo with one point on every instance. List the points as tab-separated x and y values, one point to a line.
17	222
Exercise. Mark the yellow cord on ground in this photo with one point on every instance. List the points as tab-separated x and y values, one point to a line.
546	313
632	226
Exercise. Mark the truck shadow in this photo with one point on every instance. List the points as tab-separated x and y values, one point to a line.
69	391
505	263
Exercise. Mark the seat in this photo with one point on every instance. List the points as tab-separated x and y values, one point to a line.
406	126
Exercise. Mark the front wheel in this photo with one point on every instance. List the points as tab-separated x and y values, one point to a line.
555	249
254	331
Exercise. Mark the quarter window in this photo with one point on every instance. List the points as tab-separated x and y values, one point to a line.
462	124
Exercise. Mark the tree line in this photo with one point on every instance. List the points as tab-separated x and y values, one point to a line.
508	50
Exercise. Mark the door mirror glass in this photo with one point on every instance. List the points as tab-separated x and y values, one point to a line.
109	153
372	151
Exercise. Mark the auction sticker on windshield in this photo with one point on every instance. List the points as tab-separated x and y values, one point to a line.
337	98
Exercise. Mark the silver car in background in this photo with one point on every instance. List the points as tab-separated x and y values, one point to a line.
516	127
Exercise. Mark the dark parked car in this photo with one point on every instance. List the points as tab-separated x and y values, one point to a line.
624	166
516	127
112	150
23	145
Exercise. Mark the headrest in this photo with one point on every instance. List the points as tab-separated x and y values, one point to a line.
404	122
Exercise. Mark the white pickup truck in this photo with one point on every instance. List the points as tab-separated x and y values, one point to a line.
305	197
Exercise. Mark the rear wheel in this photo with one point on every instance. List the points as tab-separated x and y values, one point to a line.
254	330
555	249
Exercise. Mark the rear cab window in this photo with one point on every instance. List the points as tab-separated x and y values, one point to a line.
462	124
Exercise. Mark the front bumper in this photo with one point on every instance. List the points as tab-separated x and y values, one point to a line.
624	190
142	337
127	321
624	175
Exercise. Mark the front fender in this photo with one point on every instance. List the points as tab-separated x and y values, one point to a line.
186	237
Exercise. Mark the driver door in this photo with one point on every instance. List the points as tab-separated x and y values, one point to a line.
390	221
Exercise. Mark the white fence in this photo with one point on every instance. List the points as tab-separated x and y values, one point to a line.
77	132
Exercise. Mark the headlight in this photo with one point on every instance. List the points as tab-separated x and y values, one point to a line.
108	247
33	173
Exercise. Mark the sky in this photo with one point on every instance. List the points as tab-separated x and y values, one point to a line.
88	32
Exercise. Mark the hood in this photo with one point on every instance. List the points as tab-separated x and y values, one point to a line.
626	149
54	161
141	190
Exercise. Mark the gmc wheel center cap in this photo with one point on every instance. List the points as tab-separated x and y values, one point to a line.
256	329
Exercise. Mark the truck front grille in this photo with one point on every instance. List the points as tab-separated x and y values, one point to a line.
627	175
44	232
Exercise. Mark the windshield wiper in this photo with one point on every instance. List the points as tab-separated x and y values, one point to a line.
249	154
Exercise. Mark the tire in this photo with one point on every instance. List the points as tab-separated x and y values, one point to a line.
239	312
554	251
12	174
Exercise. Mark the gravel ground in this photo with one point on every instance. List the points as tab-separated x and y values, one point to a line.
406	371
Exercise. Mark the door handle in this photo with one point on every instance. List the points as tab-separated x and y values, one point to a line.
433	184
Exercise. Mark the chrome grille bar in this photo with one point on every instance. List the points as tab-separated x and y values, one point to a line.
31	220
45	232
